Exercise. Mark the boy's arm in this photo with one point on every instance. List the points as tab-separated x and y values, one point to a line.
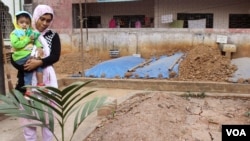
17	43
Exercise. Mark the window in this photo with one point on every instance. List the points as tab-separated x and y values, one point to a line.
92	21
196	16
239	20
127	21
127	13
6	21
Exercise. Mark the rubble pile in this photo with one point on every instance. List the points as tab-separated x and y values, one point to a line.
204	63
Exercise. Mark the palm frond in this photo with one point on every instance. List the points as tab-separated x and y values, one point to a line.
73	88
73	103
88	108
50	104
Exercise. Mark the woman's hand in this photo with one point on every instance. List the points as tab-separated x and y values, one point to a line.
40	53
32	64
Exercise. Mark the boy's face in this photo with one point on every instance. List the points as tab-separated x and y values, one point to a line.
23	22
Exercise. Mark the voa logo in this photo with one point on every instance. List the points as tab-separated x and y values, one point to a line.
236	132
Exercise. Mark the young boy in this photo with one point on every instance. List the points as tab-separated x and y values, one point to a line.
26	45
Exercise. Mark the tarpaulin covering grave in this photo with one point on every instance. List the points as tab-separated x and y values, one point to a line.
119	66
113	68
159	68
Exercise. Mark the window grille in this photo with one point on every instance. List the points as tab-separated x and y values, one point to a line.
6	21
196	16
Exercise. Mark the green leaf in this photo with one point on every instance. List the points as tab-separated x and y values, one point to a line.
70	113
51	119
85	111
101	101
10	99
54	91
89	107
76	121
70	90
7	106
10	111
24	104
34	124
92	105
6	99
65	103
49	96
76	102
13	98
23	115
47	104
39	112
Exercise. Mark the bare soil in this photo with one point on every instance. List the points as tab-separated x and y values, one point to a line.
160	116
204	63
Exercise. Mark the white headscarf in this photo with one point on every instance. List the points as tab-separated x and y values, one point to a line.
49	75
39	11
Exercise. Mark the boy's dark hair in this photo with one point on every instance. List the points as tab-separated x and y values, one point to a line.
23	15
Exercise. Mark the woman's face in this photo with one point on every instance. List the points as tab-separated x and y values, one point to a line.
43	22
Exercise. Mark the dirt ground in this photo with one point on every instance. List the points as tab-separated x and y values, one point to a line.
160	116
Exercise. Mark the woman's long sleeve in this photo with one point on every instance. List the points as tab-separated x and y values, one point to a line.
55	52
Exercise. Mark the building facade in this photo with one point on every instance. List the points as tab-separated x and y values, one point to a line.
164	24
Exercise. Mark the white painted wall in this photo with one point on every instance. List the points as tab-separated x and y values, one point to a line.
156	41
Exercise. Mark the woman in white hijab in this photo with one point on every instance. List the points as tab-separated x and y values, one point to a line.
43	16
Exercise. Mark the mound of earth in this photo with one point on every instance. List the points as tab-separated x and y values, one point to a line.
161	116
204	63
71	63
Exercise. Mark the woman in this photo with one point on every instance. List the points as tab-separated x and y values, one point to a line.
42	19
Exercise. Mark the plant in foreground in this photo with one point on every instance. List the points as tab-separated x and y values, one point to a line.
50	105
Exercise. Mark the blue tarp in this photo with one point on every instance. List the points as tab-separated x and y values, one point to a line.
113	68
119	66
159	67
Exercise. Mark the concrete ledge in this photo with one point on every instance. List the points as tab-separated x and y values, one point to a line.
162	85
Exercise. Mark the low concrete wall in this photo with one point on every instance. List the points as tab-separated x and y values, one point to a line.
163	85
153	41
